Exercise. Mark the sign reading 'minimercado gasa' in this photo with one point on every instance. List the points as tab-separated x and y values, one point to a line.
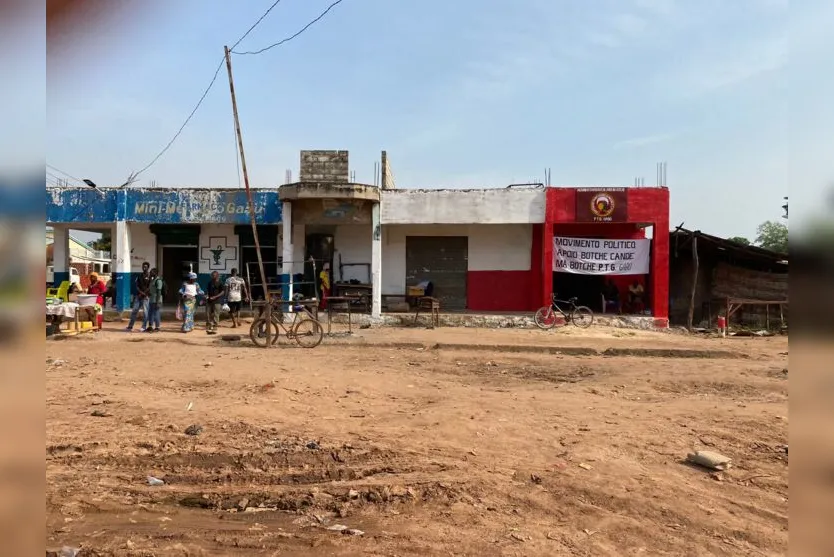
593	256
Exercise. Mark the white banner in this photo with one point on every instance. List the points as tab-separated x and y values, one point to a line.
593	256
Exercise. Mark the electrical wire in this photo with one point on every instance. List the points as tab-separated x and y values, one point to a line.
56	169
288	39
187	120
217	72
266	13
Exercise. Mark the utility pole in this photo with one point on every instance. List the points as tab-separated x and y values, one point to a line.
268	307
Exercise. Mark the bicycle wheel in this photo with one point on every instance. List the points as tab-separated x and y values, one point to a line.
257	332
545	318
307	333
582	317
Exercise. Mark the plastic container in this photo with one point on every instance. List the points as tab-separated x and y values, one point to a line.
87	299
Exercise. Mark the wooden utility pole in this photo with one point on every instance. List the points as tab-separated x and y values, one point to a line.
694	282
268	307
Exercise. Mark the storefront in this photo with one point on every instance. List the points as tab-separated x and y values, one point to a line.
595	239
174	230
488	250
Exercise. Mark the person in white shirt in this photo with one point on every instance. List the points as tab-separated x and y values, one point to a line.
236	293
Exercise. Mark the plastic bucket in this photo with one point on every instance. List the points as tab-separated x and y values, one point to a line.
87	299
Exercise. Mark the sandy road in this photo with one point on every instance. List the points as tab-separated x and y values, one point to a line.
449	451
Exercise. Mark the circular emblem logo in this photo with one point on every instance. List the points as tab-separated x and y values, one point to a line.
602	205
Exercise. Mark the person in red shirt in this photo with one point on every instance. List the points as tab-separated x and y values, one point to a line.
97	287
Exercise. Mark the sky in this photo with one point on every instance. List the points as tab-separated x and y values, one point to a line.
734	96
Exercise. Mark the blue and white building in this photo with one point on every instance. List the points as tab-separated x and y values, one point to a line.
203	230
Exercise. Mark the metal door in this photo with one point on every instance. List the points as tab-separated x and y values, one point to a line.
441	260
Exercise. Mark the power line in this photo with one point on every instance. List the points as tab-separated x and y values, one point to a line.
203	97
288	39
187	120
56	169
217	72
266	13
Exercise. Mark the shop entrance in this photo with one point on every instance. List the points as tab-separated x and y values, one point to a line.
177	262
441	260
587	288
248	270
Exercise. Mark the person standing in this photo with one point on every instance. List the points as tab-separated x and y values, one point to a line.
324	284
98	288
189	292
143	284
236	292
214	292
111	292
156	298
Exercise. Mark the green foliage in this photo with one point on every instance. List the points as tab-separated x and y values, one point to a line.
102	244
740	240
772	235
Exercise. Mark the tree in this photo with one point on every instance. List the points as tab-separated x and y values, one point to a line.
772	235
102	244
740	240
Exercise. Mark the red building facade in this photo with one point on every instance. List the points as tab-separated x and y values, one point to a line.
623	214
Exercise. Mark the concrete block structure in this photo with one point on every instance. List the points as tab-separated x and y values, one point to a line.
484	250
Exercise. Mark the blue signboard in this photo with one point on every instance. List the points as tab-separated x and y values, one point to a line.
80	205
202	206
171	206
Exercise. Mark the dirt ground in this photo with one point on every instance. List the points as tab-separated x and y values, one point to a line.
429	442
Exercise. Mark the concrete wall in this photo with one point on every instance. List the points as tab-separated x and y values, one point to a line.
495	206
142	247
353	243
324	166
299	239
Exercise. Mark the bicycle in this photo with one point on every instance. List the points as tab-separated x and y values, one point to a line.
580	316
304	328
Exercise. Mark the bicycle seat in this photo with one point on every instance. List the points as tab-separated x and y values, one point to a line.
573	300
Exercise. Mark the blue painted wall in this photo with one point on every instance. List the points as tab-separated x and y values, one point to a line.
76	205
124	283
170	206
59	277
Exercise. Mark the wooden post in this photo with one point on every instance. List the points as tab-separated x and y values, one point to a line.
694	282
781	318
268	309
